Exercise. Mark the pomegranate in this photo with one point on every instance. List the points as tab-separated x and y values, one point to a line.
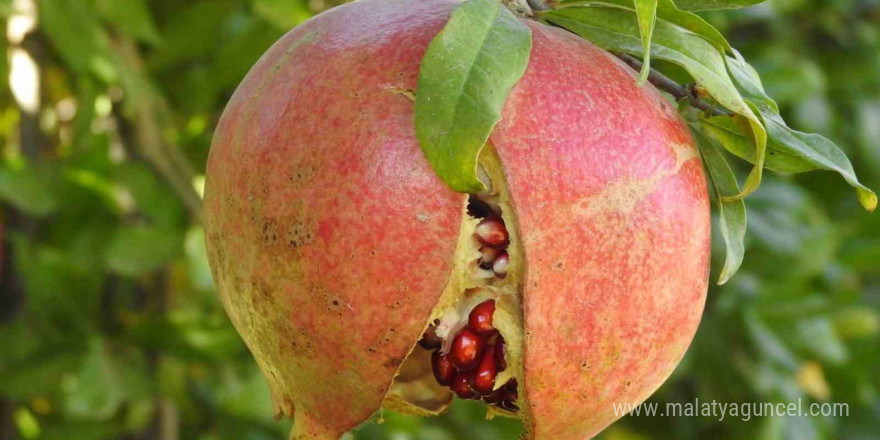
351	271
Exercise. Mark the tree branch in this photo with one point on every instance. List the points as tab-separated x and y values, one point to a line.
146	120
538	5
678	91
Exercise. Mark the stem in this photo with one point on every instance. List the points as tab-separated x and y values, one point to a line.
678	91
147	122
538	5
659	80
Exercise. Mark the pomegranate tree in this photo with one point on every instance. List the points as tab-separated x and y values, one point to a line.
360	281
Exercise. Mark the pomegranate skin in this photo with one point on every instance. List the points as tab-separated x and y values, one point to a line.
612	205
316	188
331	239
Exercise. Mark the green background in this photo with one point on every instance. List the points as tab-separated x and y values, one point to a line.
109	324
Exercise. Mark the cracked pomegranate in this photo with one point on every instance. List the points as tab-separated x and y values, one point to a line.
359	281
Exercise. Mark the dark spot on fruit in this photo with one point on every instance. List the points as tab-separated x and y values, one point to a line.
393	362
268	233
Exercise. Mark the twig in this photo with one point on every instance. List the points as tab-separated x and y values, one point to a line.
538	5
659	80
675	89
167	159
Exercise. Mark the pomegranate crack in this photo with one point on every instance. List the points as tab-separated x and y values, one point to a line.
468	351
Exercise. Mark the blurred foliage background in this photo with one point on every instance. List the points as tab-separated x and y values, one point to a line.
109	325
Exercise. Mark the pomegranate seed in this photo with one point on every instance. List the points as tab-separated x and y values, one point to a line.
461	386
465	351
443	369
487	256
492	232
483	378
499	266
480	319
500	362
430	340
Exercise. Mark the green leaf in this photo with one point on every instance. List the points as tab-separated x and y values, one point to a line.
74	30
40	373
667	10
139	250
237	55
818	336
705	5
464	79
191	33
617	29
28	191
857	322
282	14
732	132
748	81
817	150
732	219
132	18
108	378
646	12
767	342
154	198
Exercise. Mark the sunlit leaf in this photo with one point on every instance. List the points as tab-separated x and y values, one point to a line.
667	10
646	12
464	80
732	132
817	150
